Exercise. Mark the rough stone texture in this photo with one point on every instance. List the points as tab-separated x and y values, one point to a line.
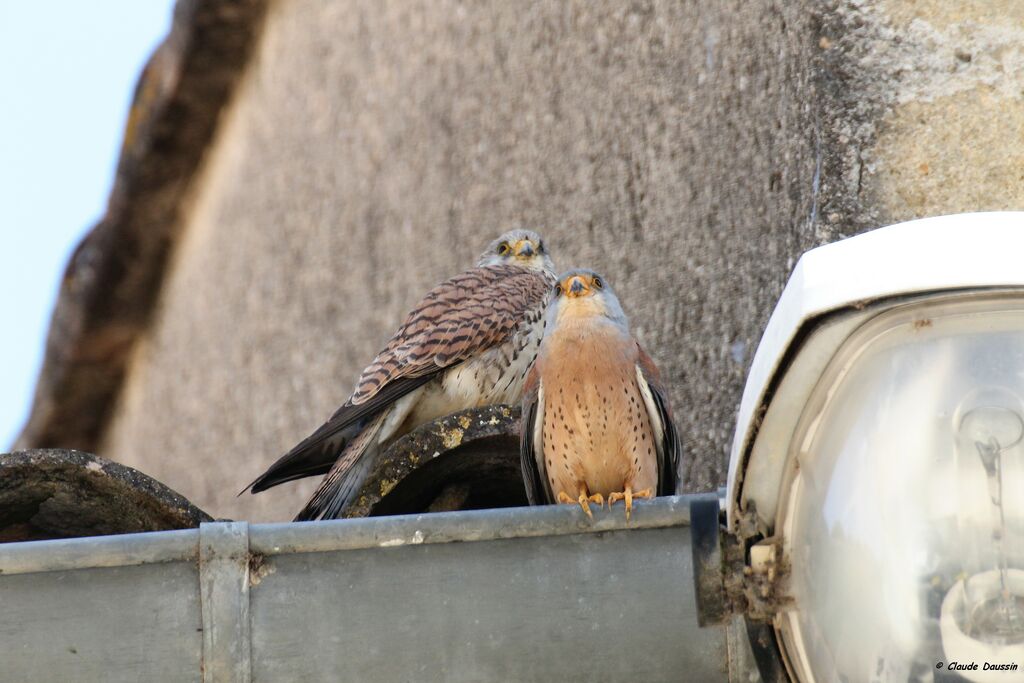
971	131
66	494
688	150
465	461
925	109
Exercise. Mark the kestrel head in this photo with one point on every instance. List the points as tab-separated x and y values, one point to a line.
523	248
583	294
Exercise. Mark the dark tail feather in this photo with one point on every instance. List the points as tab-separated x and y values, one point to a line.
343	481
307	459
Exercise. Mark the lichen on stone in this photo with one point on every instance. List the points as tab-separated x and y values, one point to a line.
450	438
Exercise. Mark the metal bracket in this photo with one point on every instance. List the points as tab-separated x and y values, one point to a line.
734	575
224	598
709	589
765	581
725	584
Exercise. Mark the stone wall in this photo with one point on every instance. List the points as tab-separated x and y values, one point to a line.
690	151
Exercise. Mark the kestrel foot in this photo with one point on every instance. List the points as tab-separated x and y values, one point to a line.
583	501
628	495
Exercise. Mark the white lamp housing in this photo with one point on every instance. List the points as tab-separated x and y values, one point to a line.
879	454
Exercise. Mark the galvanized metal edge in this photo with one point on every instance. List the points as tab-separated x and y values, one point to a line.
477	525
99	551
347	534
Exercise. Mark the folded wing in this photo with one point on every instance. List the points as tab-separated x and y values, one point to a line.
670	452
469	313
531	442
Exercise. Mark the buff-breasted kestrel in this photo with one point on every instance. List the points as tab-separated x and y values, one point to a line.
469	343
596	419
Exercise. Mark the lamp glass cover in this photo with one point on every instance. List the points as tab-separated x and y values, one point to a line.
903	516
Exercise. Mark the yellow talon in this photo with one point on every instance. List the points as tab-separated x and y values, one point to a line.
583	501
628	495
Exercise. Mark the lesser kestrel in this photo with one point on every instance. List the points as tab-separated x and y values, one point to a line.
469	343
596	419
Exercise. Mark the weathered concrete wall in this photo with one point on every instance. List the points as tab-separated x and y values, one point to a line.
929	115
688	150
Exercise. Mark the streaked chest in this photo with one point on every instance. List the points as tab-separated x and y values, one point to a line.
493	376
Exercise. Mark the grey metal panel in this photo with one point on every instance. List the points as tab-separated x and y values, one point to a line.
137	623
224	586
531	594
595	606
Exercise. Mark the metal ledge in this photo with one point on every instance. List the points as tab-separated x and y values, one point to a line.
125	550
352	534
514	594
476	525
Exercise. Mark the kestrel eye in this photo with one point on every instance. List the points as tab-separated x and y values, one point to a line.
504	249
540	247
598	283
558	290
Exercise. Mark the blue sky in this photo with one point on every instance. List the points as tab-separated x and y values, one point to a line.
67	72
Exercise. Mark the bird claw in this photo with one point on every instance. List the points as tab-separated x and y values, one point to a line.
628	495
583	501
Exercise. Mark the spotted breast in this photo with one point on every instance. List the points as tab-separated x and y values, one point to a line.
596	421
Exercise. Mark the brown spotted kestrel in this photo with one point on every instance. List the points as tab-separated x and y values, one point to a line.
469	343
596	420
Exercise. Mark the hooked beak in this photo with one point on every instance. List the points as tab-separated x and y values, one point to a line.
577	287
524	249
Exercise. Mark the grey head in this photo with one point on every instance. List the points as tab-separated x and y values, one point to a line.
523	248
583	295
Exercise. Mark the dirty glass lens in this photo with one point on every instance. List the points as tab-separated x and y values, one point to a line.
904	522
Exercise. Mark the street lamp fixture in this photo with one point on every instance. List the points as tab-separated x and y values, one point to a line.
873	527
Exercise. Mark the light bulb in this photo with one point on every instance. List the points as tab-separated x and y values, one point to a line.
988	426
